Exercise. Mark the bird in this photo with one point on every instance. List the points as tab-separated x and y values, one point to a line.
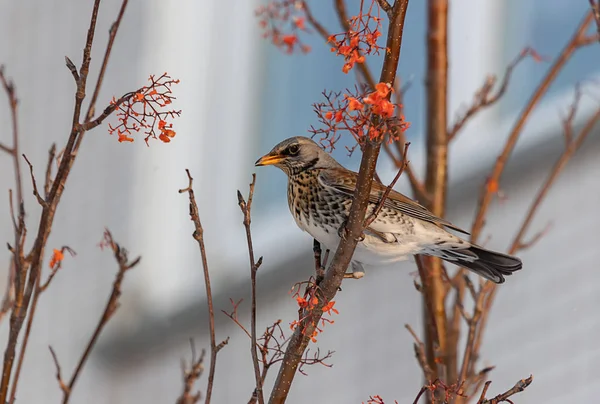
320	192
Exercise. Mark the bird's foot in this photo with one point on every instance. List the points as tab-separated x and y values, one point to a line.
353	275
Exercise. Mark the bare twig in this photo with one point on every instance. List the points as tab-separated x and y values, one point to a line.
354	224
486	296
559	63
122	258
518	242
191	376
24	291
48	180
199	237
9	295
59	379
39	289
485	97
37	195
420	354
388	189
596	10
254	265
517	388
314	22
9	89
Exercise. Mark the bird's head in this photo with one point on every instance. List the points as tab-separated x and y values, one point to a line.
297	154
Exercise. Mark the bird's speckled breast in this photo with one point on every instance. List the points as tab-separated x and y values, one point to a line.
313	205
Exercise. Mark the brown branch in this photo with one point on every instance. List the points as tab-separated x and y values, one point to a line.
48	180
35	258
9	89
517	388
121	256
484	97
246	207
199	237
9	299
430	269
314	22
354	224
59	379
473	345
595	5
190	377
487	294
421	355
559	166
39	289
518	243
112	34
37	195
488	194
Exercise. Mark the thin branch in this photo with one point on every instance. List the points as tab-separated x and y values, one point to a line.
190	377
487	294
484	97
112	34
517	388
559	166
314	22
199	237
9	89
388	189
37	195
59	379
595	5
246	207
48	180
48	212
121	256
488	194
420	354
39	289
9	295
353	229
54	190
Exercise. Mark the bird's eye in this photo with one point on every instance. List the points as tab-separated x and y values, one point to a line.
293	149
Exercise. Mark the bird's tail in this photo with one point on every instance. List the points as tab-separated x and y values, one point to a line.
489	264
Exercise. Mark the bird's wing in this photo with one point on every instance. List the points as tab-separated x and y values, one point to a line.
344	181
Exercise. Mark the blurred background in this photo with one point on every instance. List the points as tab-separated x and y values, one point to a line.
240	96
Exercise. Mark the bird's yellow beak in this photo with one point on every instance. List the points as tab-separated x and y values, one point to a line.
268	160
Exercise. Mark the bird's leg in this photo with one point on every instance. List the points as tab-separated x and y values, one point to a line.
320	271
385	237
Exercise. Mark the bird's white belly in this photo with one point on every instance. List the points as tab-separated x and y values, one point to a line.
370	251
